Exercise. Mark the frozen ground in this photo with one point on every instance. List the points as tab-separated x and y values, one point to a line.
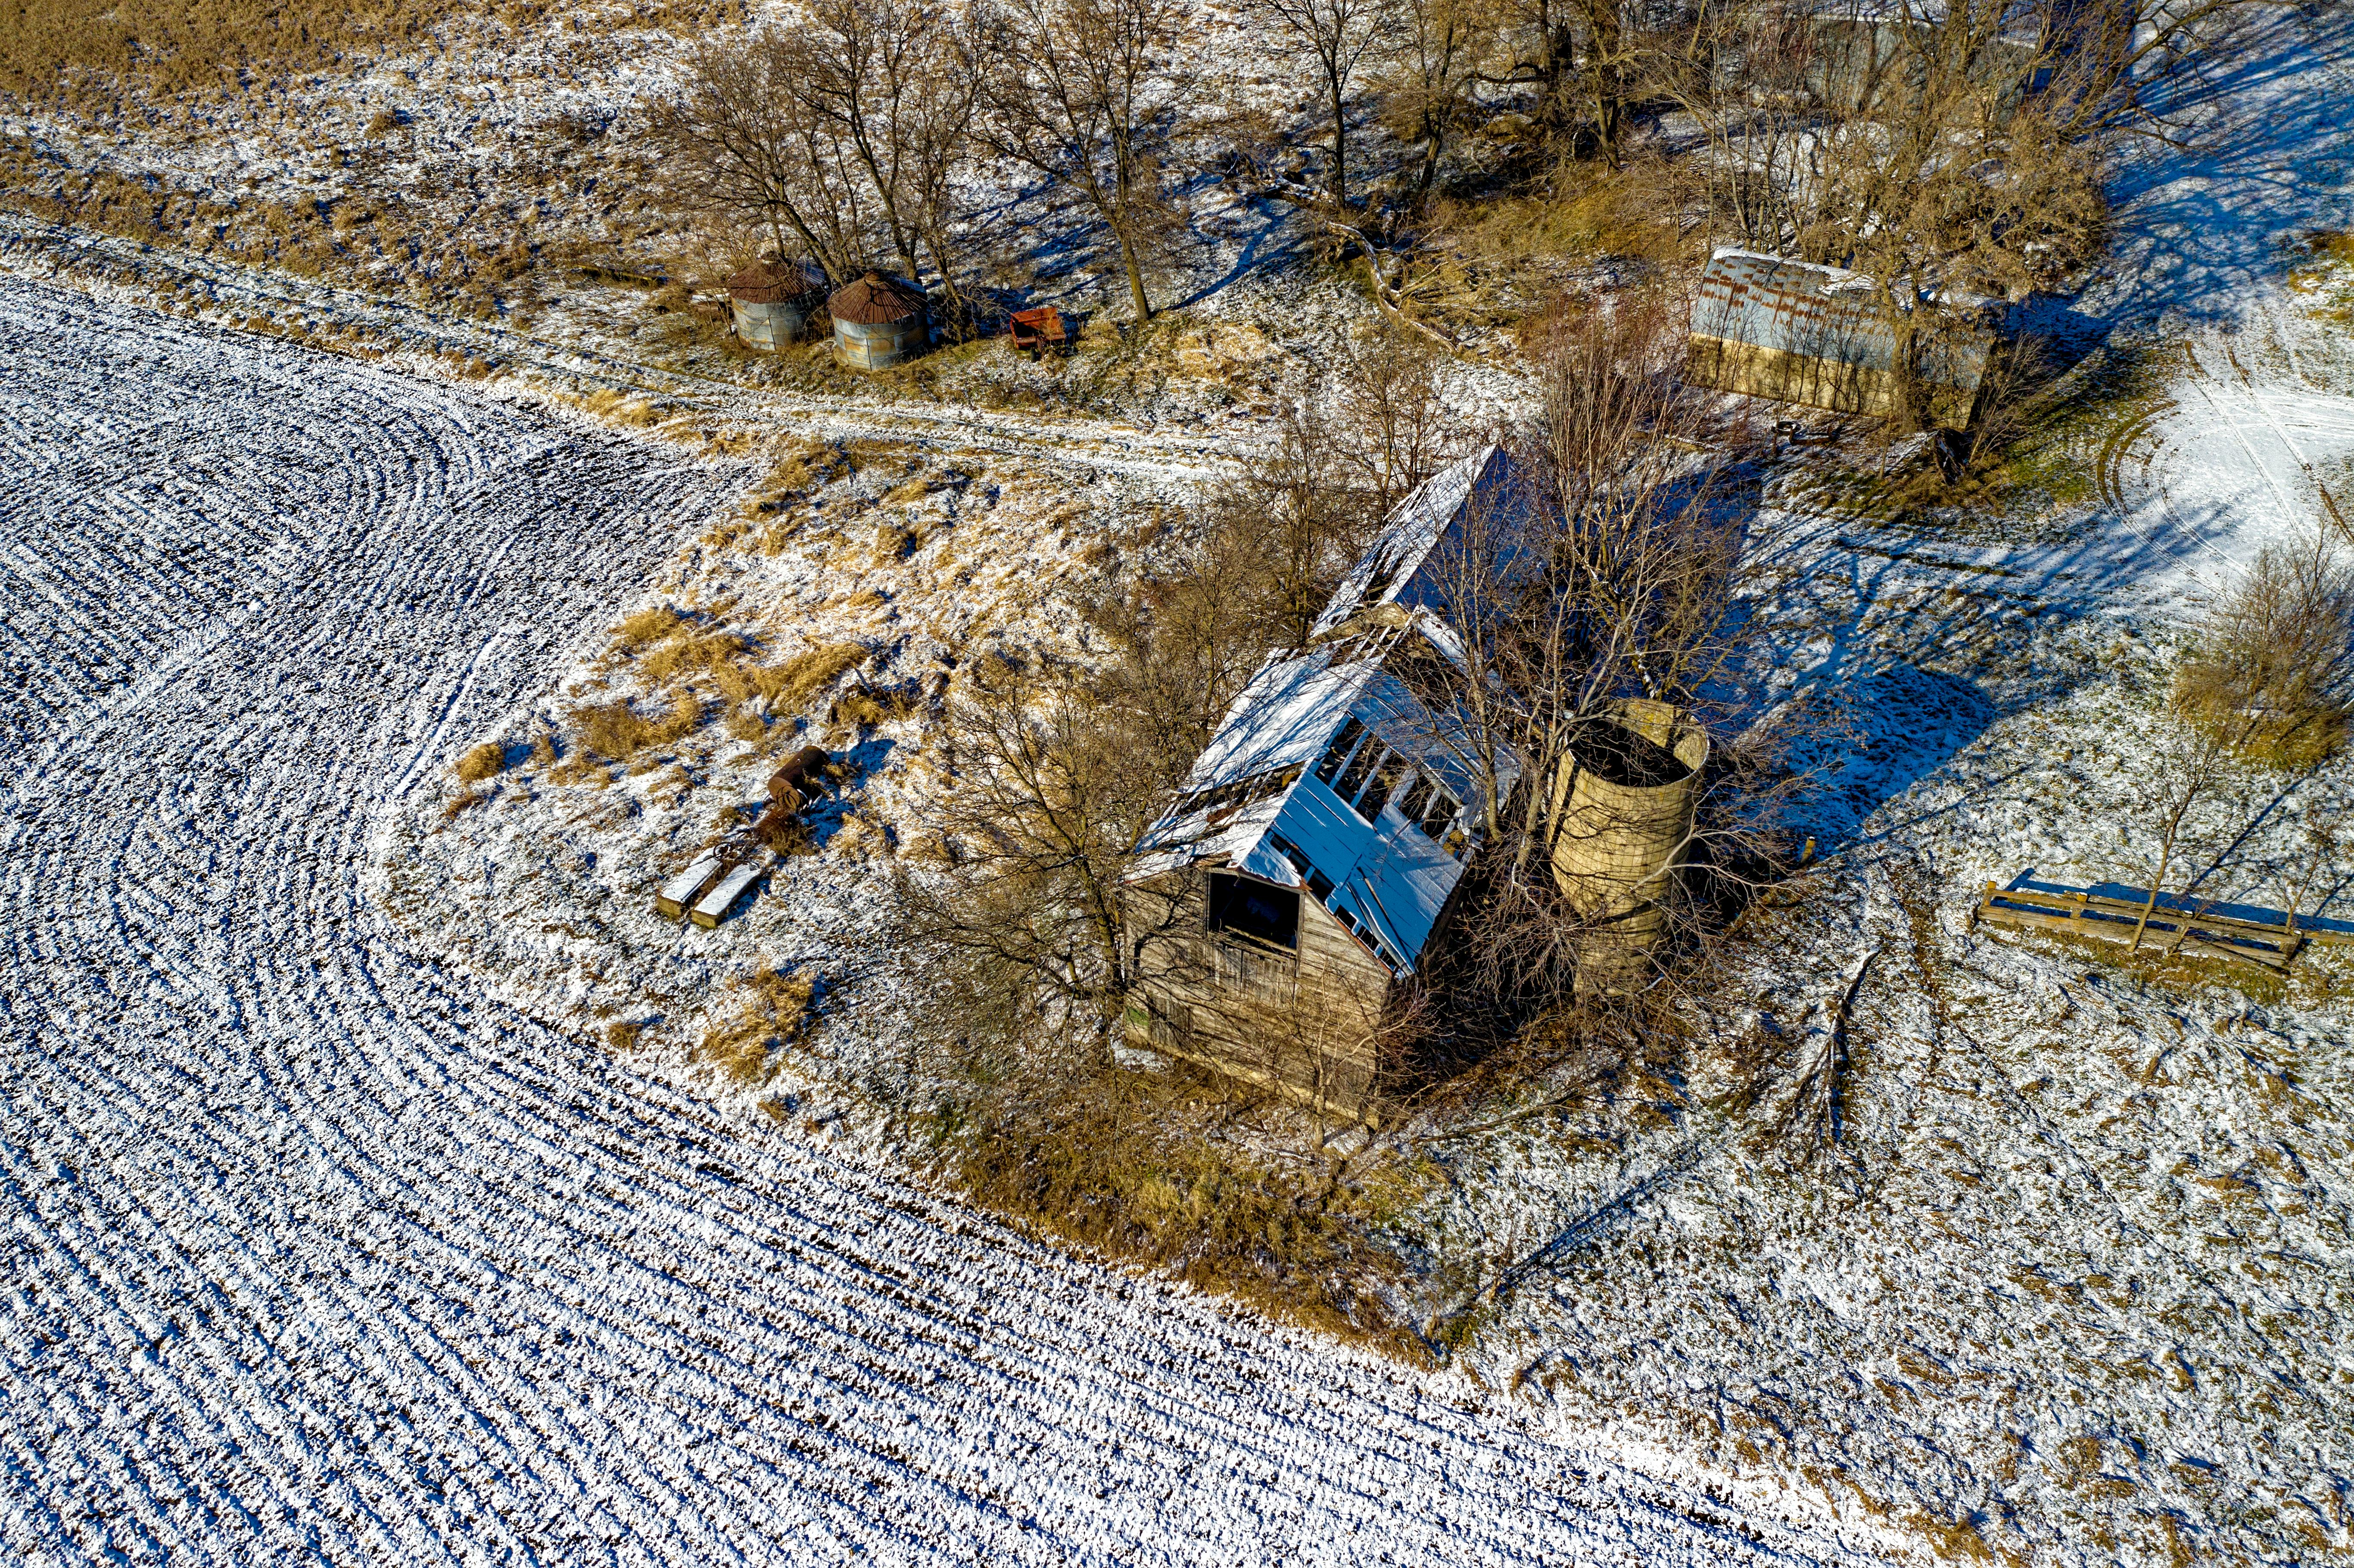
324	1248
314	1253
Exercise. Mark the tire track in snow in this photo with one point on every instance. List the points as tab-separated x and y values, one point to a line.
314	1254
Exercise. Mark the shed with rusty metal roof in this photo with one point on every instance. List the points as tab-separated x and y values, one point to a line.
1771	327
878	322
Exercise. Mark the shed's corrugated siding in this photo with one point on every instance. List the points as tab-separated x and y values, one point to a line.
1798	333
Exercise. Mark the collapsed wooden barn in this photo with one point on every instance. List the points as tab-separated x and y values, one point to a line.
1284	901
1769	327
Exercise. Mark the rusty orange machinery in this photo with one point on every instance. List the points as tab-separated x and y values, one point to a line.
1038	332
703	892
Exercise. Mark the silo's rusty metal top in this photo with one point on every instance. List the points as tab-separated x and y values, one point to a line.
770	283
874	300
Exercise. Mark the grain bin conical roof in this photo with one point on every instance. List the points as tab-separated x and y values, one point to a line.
770	283
874	300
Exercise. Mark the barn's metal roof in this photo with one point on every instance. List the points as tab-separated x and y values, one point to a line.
1325	773
1818	311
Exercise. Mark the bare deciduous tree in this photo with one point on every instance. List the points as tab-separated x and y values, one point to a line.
2269	682
1041	823
893	83
1401	430
1428	61
1610	568
1296	513
1086	92
734	141
1937	148
1337	35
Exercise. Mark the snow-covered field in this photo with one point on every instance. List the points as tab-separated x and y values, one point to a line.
316	1254
325	1245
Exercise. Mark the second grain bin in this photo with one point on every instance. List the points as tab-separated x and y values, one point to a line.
1623	806
770	303
877	322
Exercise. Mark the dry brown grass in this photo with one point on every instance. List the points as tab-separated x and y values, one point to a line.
484	761
774	1010
707	654
655	625
58	49
1484	257
802	468
616	731
609	403
864	705
790	684
1115	1160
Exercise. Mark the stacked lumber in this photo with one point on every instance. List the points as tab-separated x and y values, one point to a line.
2169	927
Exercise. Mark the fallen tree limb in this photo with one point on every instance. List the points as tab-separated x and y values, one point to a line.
1387	299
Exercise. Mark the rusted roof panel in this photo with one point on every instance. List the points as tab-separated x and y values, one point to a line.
1766	301
874	300
772	284
1822	312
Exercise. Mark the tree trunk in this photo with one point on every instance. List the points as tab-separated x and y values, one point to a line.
1609	88
1432	135
1135	279
1340	144
2165	857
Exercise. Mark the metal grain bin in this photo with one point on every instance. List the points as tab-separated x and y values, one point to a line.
877	322
768	305
1622	811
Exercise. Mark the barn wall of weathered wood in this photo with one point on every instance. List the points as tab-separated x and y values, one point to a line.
1306	1025
1819	382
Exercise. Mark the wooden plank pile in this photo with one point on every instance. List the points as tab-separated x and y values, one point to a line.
2168	927
705	890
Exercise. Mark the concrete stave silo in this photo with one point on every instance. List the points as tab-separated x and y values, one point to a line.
1623	808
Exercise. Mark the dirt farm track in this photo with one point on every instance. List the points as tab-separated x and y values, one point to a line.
310	1256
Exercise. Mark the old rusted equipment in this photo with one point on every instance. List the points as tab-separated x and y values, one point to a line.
791	787
1039	331
719	876
2171	929
795	784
